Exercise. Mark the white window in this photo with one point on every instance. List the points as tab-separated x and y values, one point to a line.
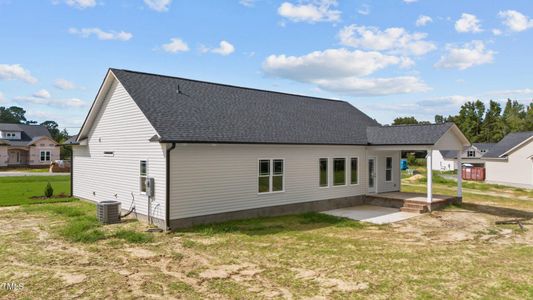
339	171
470	153
323	169
354	170
45	155
388	169
270	176
143	170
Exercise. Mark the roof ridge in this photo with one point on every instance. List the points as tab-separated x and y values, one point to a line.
232	85
413	125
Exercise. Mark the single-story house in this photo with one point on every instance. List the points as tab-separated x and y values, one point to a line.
184	152
26	145
445	160
510	161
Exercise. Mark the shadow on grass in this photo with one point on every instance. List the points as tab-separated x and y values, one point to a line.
274	225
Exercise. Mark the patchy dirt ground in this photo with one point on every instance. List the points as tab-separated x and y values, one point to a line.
456	253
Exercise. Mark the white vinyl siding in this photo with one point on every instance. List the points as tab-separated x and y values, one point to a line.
209	179
122	128
516	170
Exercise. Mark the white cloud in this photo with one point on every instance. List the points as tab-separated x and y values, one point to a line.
391	39
515	21
2	97
176	45
330	63
496	31
410	1
81	4
64	84
342	70
12	72
100	34
469	55
224	48
310	11
43	94
158	5
468	23
248	3
364	10
423	20
65	103
374	86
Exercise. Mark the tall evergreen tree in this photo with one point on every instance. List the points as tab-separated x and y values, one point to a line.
514	116
493	127
470	119
529	118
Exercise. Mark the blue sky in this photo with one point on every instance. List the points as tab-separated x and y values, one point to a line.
389	58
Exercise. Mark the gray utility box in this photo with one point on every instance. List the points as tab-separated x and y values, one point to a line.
108	212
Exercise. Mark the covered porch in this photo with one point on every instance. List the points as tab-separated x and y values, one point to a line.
18	156
389	139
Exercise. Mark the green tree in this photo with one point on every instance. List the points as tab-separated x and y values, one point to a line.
13	114
439	119
529	118
470	119
493	127
514	116
405	121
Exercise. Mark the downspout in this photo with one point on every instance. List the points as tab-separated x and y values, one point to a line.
167	200
69	149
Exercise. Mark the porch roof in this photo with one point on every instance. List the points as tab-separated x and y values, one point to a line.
446	136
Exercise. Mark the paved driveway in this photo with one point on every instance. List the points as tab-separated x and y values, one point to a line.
372	214
15	173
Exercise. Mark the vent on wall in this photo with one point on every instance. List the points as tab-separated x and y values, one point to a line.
109	153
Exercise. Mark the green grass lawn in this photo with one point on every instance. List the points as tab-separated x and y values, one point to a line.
19	190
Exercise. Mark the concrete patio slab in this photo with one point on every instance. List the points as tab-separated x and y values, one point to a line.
372	214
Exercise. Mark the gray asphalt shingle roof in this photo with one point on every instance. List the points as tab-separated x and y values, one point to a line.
28	133
421	134
507	143
209	112
185	110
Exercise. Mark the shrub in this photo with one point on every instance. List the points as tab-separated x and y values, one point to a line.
48	190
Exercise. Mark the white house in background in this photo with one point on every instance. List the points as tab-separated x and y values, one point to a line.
215	152
26	145
510	161
446	160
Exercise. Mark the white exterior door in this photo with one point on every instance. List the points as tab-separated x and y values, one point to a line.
372	175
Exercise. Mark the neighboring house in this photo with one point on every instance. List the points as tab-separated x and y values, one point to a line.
446	160
26	145
510	161
217	152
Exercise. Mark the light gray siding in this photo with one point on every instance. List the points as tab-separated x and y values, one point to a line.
208	179
122	128
516	170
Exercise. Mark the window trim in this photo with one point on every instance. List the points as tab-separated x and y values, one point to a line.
328	185
141	176
270	176
391	169
333	172
41	155
357	171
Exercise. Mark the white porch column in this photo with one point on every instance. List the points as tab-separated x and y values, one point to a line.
459	176
429	165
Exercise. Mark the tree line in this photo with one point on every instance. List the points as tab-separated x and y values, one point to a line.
482	124
17	115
